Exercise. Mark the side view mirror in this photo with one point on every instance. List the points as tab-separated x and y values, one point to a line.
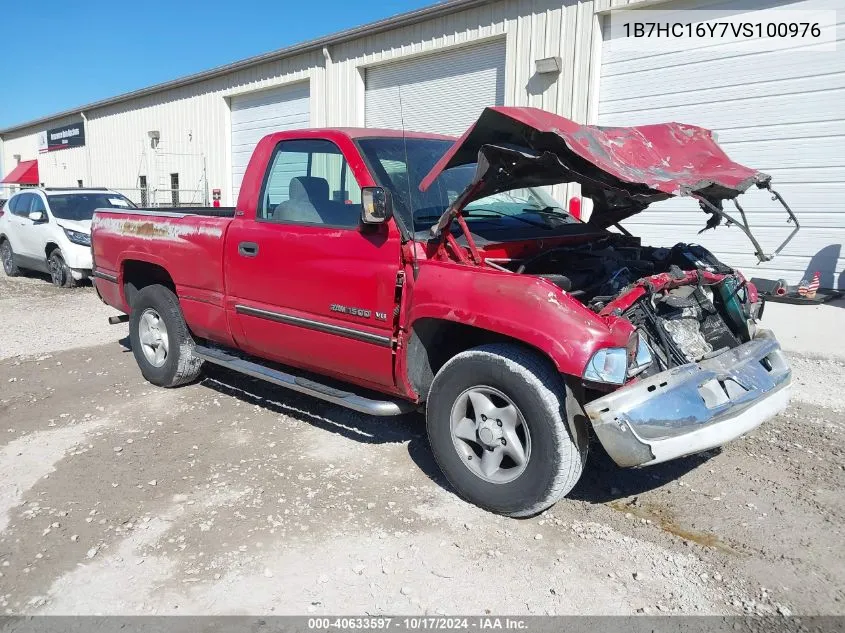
38	216
376	206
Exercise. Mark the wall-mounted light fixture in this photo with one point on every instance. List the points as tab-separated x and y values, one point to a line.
155	136
547	65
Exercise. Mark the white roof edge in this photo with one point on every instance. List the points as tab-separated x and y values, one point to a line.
403	19
49	190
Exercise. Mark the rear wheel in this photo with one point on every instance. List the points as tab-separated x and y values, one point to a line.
161	342
7	255
60	272
504	430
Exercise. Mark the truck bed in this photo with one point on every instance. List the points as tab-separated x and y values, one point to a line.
184	242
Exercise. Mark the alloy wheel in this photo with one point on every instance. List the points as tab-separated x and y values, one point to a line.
152	332
57	273
490	434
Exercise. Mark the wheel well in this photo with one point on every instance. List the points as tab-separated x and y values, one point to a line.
48	250
434	341
140	274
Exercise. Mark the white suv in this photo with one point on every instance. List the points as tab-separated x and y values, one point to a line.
49	230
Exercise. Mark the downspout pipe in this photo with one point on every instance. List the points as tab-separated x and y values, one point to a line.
87	151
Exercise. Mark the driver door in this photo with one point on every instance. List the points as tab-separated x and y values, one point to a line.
309	285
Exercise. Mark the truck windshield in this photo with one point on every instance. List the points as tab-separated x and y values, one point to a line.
400	165
81	206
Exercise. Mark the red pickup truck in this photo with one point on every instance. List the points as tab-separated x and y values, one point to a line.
389	272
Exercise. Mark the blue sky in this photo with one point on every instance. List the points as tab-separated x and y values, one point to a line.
69	54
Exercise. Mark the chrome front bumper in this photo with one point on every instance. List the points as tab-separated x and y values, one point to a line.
693	407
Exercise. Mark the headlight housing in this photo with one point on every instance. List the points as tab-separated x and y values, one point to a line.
608	365
83	239
612	365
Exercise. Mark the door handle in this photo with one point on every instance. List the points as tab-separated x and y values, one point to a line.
248	249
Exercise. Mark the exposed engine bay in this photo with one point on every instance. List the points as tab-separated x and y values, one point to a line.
692	323
688	305
685	304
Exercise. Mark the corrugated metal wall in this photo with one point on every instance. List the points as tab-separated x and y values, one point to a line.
442	92
193	125
787	120
193	120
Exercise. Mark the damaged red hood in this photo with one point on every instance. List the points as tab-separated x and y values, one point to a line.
622	169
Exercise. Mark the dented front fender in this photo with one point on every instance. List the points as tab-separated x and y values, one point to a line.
523	307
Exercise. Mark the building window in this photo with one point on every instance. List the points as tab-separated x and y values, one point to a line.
142	185
79	184
174	189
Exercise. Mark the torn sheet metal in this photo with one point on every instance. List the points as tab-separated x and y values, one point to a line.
623	169
671	158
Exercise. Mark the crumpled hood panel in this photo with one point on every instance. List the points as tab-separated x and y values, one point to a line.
622	167
82	226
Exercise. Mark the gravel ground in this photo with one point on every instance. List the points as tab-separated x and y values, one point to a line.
232	497
38	318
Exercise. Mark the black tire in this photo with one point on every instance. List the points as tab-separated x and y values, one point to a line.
180	365
7	256
60	272
557	449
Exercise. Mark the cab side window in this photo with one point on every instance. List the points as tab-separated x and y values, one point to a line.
310	182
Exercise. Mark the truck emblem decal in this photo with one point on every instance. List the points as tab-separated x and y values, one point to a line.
381	316
359	312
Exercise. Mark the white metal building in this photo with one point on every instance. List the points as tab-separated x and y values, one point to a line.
782	112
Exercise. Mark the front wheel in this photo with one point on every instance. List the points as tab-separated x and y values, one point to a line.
161	342
60	272
504	430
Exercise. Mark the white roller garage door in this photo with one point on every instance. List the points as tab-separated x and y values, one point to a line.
258	114
782	112
442	92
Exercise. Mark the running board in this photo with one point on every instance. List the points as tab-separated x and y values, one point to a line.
303	385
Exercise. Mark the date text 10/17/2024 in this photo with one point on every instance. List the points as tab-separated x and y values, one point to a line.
375	623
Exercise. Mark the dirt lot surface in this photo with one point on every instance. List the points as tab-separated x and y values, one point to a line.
38	318
230	496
